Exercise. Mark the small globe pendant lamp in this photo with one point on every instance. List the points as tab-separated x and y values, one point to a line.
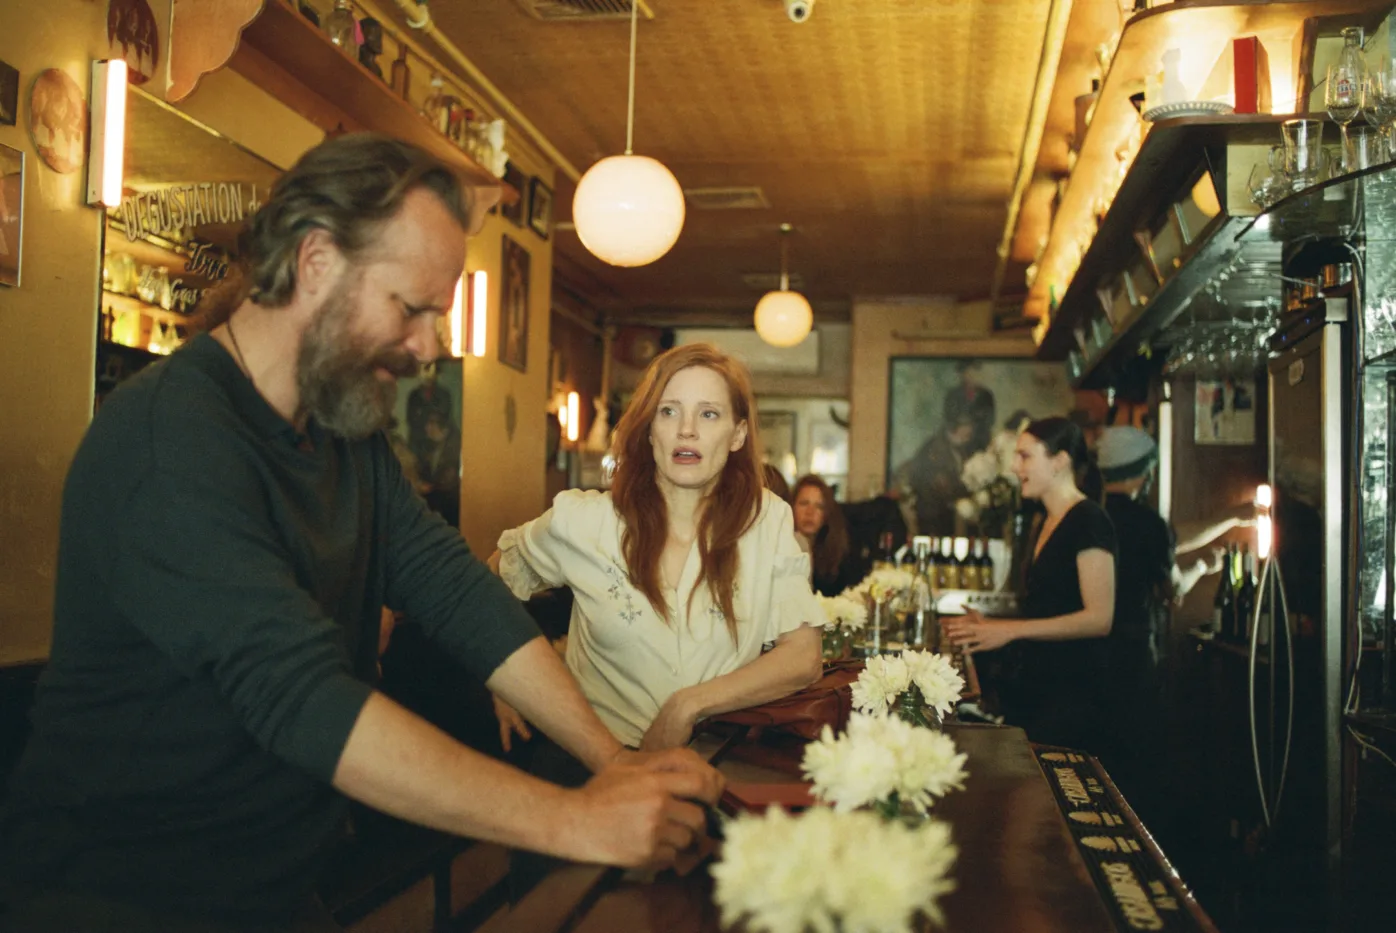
628	209
783	317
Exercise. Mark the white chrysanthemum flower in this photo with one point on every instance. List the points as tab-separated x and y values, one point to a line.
884	678
827	871
880	756
884	583
936	677
847	611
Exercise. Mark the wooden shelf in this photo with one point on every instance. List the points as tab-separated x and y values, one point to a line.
119	302
1202	30
1171	152
292	44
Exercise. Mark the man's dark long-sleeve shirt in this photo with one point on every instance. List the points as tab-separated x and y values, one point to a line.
220	580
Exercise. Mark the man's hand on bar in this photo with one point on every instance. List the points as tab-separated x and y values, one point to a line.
641	811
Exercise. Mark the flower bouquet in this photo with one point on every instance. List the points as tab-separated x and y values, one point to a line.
828	871
885	763
847	613
992	485
921	687
883	590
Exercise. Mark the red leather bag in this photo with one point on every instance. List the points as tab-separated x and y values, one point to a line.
826	702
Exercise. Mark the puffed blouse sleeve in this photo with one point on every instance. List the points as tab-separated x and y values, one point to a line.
793	603
536	555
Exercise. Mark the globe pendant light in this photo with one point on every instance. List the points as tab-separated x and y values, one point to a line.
783	317
628	209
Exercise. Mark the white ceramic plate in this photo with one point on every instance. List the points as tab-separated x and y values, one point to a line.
1188	108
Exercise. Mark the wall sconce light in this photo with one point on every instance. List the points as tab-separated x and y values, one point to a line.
479	311
455	321
1264	526
107	143
573	423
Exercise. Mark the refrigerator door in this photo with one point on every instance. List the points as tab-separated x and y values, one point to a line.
1307	472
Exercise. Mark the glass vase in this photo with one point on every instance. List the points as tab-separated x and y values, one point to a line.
880	622
911	707
836	643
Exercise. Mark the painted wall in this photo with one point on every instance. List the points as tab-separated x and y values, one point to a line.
929	326
47	327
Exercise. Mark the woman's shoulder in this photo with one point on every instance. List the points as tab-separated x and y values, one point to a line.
773	512
1092	524
583	510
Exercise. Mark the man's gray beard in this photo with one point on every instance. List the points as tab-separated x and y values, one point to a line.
336	376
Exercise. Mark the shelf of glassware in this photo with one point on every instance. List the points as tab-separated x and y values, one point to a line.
1201	30
297	47
139	325
1361	202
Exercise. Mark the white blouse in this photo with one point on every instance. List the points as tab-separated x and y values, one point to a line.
628	660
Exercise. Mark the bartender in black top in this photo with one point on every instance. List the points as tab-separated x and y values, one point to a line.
1057	689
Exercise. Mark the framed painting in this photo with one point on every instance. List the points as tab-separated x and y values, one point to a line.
9	95
540	207
513	306
426	436
942	411
11	214
1224	413
514	178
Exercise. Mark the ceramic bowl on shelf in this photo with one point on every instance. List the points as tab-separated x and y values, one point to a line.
1188	108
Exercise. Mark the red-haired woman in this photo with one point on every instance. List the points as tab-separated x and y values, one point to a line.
684	569
819	518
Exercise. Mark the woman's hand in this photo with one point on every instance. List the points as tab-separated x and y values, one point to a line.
493	564
510	723
973	632
672	728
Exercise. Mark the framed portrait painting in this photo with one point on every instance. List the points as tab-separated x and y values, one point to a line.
514	178
942	411
513	306
11	214
1224	412
540	207
9	95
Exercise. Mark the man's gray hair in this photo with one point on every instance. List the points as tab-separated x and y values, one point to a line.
349	187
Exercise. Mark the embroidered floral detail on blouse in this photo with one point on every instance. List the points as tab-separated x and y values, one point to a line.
621	593
794	566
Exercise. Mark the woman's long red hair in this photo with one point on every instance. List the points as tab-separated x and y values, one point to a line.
729	510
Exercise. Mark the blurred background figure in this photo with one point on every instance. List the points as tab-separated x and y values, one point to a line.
775	482
820	519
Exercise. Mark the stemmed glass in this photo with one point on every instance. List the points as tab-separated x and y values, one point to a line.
1382	89
1342	95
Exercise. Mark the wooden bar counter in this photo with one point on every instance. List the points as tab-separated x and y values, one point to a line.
1020	866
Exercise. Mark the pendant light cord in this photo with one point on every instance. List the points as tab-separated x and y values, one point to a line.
784	256
630	108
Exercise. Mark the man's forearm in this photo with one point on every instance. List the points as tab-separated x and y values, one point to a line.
536	682
399	763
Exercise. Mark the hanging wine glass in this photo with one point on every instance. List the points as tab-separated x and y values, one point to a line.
1343	97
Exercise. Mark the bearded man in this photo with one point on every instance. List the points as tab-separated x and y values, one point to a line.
233	523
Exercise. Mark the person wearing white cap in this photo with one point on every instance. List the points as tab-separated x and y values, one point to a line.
1148	579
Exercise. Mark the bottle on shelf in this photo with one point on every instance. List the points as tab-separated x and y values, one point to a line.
1245	594
1222	601
986	569
401	73
948	574
437	107
922	626
886	557
961	572
341	28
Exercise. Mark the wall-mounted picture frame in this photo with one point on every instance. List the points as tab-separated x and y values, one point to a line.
11	215
540	207
513	306
9	95
1224	413
943	410
515	178
777	430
